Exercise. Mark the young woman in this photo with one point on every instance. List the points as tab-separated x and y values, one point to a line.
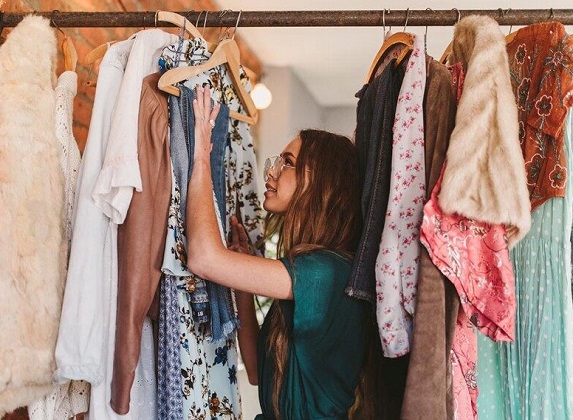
312	344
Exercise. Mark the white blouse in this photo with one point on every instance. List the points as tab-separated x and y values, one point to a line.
86	341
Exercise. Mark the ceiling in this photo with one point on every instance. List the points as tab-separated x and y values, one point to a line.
332	62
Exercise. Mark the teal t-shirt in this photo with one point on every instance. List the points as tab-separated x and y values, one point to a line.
327	348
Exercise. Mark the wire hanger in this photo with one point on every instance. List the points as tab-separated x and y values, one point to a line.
223	34
399	38
448	50
510	35
227	52
178	20
68	47
184	23
428	9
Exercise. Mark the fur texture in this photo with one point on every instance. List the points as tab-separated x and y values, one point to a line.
32	246
485	175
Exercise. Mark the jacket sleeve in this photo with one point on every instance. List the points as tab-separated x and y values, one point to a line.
141	240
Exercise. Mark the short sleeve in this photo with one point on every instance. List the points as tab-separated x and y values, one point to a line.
318	288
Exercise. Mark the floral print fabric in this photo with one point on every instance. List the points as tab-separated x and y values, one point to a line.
541	67
463	358
474	256
240	161
207	370
399	255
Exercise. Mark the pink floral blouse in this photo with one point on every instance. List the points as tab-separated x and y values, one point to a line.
399	254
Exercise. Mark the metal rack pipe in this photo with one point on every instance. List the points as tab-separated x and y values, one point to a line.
333	18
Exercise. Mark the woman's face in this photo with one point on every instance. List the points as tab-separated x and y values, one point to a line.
280	188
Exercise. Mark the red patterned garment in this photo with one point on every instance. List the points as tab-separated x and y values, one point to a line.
474	256
463	359
541	68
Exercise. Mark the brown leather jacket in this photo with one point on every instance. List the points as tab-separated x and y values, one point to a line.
141	239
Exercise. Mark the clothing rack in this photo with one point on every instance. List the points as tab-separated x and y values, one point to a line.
228	18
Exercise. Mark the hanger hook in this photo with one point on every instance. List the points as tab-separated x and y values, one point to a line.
205	22
390	27
221	14
428	9
237	23
459	14
54	23
407	16
551	15
505	13
198	17
155	19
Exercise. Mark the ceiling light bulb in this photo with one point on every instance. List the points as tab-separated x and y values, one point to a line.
262	96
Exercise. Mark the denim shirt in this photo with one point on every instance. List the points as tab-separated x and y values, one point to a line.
209	301
375	118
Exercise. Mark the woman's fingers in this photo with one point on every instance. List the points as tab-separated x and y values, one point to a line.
242	235
207	102
234	235
205	115
239	240
214	113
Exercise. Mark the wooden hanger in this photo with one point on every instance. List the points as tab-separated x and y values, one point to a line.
68	48
94	55
398	38
510	37
70	54
448	50
403	38
178	20
97	53
446	54
227	52
182	22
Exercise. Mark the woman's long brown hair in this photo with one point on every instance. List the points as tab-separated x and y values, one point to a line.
324	213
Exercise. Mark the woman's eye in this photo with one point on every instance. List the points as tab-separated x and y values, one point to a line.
289	163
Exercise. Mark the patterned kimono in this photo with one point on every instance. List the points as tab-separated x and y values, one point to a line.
207	369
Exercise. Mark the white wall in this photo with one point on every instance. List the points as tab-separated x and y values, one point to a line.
293	108
305	110
340	120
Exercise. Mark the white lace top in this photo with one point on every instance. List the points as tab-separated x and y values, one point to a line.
66	90
71	398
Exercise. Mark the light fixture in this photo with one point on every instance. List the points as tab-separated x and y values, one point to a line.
262	96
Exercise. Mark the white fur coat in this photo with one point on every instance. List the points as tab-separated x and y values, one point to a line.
32	246
485	175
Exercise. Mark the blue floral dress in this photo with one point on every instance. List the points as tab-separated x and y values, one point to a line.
208	375
207	369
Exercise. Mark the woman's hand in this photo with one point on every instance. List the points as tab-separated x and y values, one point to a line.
205	118
239	240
